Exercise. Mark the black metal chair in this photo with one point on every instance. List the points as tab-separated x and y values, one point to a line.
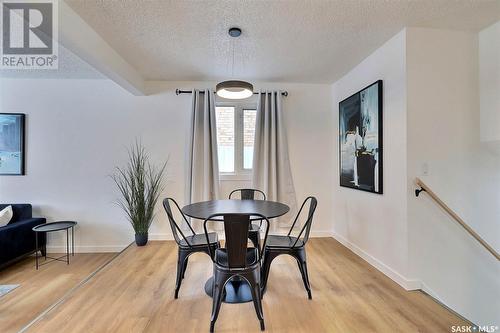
236	259
187	244
254	229
294	246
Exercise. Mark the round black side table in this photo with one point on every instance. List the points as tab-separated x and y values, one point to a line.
55	226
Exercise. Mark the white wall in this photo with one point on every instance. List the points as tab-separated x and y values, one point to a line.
489	82
431	121
443	133
375	226
78	131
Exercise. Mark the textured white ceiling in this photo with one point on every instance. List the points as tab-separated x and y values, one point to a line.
295	41
70	67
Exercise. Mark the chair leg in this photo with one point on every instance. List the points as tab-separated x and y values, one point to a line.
217	295
258	246
302	263
185	267
181	260
257	297
266	267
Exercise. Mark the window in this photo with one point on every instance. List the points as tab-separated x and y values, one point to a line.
235	139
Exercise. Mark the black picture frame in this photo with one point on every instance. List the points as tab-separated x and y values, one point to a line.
21	144
368	158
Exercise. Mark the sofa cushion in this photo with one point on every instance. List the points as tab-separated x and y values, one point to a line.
20	211
6	215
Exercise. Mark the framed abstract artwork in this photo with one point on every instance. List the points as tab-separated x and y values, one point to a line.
12	143
360	140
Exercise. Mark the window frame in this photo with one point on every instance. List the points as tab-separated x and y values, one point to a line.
240	173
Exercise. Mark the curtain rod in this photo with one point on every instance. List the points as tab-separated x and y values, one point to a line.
178	92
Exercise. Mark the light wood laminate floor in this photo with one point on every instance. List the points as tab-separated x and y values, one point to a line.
40	289
135	294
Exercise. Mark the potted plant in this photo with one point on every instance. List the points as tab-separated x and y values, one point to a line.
140	185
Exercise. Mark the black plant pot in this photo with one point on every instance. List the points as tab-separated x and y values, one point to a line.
141	239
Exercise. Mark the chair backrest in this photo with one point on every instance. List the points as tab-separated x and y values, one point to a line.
236	231
247	194
176	230
306	228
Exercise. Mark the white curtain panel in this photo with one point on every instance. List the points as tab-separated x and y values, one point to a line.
203	169
271	164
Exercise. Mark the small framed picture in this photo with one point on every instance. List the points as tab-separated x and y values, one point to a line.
12	144
360	140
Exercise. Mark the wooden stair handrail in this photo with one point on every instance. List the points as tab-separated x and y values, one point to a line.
457	218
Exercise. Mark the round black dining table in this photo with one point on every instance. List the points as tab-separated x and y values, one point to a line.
237	290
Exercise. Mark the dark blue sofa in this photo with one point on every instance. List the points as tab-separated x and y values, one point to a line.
16	238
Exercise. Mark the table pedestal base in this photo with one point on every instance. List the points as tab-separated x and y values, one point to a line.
237	290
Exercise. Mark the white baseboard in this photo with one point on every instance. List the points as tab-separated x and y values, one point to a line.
160	237
168	236
152	237
407	284
321	233
425	288
87	248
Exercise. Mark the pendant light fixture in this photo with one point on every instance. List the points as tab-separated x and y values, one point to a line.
234	89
